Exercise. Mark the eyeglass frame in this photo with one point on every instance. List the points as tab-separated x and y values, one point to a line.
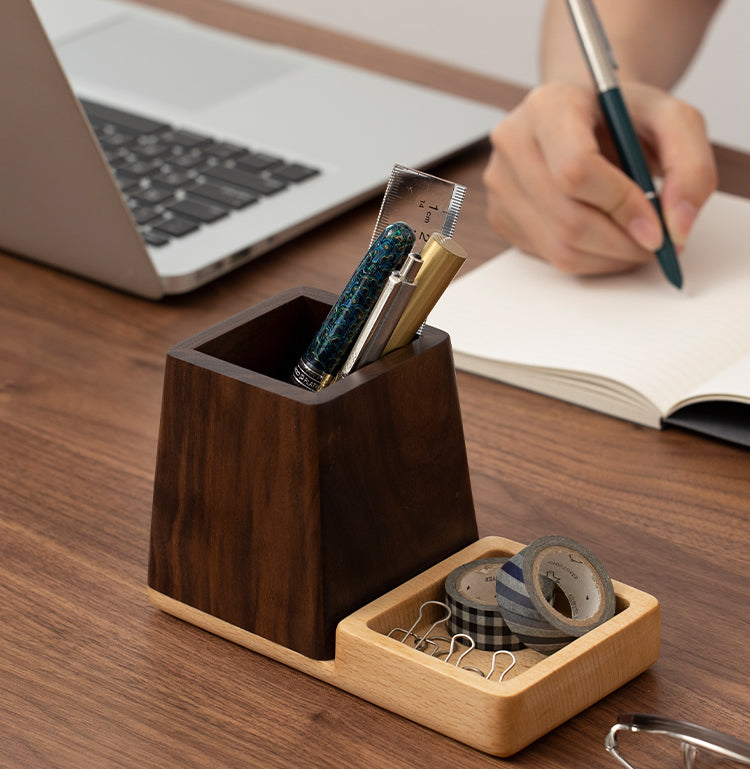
691	737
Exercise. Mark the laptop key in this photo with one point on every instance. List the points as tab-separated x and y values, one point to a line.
248	181
294	172
114	153
203	212
154	238
170	177
232	197
223	150
186	139
129	166
149	149
151	195
176	226
114	139
186	160
126	183
143	214
257	161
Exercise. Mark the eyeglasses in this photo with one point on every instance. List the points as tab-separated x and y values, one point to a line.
690	737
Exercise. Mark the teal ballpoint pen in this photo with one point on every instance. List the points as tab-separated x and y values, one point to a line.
602	64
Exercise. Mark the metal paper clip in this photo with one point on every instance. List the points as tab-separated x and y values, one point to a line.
424	639
454	641
437	640
494	660
406	633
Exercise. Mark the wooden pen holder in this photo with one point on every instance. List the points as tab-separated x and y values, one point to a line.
282	511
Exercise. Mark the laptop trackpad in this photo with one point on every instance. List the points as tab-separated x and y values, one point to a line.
186	67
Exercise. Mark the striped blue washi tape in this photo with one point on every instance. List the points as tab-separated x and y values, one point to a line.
523	584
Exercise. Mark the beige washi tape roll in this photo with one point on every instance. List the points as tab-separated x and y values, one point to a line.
578	576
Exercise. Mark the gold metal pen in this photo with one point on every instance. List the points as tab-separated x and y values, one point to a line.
442	258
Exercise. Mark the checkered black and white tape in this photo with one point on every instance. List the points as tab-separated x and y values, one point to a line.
470	595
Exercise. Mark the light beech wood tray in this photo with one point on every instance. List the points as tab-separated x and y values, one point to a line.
538	694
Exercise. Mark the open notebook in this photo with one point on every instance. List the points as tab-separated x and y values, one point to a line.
630	345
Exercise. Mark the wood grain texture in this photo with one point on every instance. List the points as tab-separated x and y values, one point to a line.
91	675
282	511
539	693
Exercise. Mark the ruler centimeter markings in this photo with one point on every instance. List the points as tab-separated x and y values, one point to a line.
426	203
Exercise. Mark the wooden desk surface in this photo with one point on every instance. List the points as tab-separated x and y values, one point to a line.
92	676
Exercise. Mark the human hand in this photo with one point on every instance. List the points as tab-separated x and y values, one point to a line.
556	190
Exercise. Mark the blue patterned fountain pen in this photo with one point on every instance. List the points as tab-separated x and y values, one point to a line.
329	349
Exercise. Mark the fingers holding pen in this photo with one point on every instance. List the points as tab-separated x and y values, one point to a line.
571	149
552	193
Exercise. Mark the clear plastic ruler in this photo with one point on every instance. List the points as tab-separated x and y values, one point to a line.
426	203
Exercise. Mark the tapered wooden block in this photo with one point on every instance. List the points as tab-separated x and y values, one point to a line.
281	511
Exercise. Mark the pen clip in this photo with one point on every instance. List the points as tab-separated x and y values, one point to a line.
596	48
605	40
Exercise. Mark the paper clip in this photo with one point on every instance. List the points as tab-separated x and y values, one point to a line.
452	649
424	639
437	639
406	633
494	659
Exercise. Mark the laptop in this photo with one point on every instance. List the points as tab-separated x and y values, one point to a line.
153	154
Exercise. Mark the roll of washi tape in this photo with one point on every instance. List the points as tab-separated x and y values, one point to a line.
470	595
578	575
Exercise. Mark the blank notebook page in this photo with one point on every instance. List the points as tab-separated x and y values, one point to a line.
634	328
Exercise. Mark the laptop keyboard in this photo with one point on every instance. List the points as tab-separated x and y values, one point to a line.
176	181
